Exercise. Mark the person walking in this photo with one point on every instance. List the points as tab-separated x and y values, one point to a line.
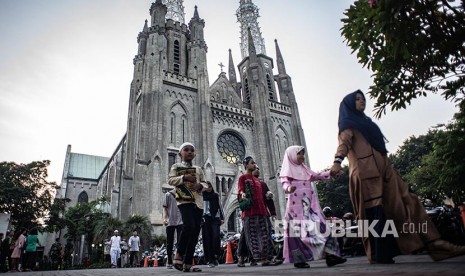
189	181
55	254
378	193
115	248
305	238
32	241
2	254
134	247
17	253
243	251
173	221
7	247
213	218
256	225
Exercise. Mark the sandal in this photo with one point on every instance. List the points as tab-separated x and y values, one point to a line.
187	268
178	262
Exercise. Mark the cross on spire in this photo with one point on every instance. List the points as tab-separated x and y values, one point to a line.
221	66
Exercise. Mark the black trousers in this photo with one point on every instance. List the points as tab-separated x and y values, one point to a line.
191	219
133	254
211	238
170	240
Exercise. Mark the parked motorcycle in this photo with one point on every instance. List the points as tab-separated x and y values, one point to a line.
448	221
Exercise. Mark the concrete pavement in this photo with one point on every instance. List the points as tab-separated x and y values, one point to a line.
405	265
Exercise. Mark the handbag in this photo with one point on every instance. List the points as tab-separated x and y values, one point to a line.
246	203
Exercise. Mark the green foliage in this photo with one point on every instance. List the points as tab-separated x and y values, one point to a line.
410	154
25	192
158	240
55	220
143	227
335	194
105	227
444	167
412	47
433	163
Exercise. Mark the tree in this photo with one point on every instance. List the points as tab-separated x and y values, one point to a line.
25	192
335	194
55	221
143	227
413	47
410	153
442	171
105	227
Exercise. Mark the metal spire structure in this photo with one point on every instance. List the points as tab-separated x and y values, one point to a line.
247	15
175	10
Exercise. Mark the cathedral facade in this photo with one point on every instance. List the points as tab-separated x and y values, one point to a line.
249	110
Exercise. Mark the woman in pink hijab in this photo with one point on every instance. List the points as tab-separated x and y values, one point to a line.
306	237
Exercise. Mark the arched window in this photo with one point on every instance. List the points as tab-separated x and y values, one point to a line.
183	129
278	147
172	128
176	56
83	198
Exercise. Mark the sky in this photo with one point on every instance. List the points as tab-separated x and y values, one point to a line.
66	68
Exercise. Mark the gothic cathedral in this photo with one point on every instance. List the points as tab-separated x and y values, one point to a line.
248	111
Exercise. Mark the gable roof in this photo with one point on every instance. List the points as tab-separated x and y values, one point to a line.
86	166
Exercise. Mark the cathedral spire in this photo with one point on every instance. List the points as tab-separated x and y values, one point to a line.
232	73
247	15
146	27
175	10
196	13
196	25
251	46
231	70
279	60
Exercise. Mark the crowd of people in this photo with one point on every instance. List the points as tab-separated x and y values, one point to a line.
377	192
19	250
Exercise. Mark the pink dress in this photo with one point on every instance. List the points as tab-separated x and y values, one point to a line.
19	244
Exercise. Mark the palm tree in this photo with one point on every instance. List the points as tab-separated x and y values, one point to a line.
104	228
143	227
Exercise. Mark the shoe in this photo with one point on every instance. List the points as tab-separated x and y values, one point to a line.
253	263
211	264
169	266
440	250
332	260
301	265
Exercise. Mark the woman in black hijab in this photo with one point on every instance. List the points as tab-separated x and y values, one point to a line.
379	195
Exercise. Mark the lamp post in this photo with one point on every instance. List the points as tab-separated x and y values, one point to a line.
92	254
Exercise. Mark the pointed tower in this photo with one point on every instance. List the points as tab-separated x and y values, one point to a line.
168	106
171	102
247	15
175	10
287	96
232	74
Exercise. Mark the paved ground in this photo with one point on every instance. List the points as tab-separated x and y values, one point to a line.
405	265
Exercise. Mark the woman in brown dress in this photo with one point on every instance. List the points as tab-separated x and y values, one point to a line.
379	195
